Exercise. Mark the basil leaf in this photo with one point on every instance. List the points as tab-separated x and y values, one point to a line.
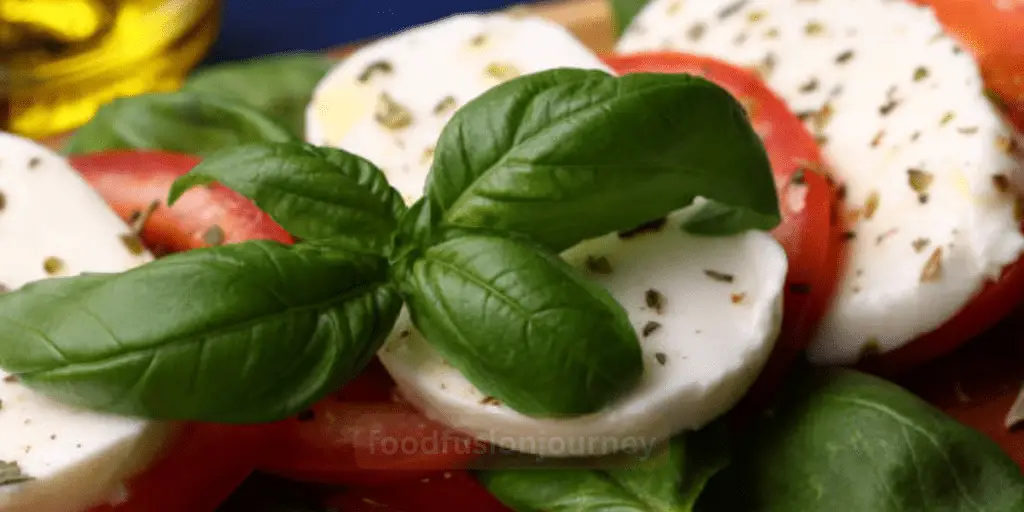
279	86
242	333
181	122
623	12
520	323
715	219
669	482
572	154
312	192
843	440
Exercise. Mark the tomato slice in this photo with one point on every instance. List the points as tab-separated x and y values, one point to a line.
203	466
131	181
811	230
437	492
206	462
992	30
363	436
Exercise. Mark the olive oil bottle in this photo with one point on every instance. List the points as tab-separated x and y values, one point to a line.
60	60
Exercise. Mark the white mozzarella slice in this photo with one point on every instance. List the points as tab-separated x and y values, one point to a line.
389	101
904	124
75	458
52	222
707	311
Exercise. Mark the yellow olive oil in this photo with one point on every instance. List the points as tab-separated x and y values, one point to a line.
60	60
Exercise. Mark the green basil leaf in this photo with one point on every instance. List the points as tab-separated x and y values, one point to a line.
279	86
572	154
843	440
312	192
715	219
520	323
242	333
182	122
668	482
623	12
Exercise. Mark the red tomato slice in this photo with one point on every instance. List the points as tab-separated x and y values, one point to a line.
362	436
131	181
206	462
203	466
438	492
992	30
979	382
810	230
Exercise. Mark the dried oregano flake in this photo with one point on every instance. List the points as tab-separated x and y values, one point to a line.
932	270
11	474
719	276
502	71
919	180
380	67
390	114
599	265
649	328
53	265
654	300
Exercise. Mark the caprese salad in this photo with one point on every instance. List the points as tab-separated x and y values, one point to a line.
474	266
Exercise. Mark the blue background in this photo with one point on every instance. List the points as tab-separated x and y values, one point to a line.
259	27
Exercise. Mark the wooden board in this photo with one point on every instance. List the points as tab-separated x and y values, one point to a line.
589	20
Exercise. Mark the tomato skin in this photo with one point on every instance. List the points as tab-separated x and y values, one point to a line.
132	180
362	435
203	466
811	229
437	492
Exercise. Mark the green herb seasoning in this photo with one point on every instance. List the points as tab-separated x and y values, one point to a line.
654	300
719	276
11	474
380	67
53	265
649	328
214	235
599	265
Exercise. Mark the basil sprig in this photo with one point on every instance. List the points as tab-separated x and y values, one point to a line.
257	331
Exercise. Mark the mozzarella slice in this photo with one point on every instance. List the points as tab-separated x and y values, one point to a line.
926	160
388	101
707	311
54	224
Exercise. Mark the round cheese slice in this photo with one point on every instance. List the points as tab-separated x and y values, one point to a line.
707	312
55	458
389	101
